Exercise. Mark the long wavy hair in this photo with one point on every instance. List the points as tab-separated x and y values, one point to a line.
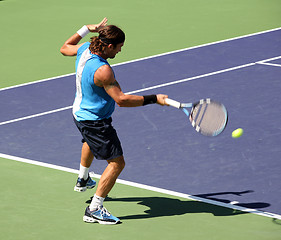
110	34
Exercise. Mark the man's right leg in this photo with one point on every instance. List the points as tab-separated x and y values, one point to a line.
84	181
109	176
96	212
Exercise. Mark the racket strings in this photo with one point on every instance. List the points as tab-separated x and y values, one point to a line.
209	118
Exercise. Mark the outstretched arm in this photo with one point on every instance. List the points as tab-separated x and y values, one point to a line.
104	77
70	47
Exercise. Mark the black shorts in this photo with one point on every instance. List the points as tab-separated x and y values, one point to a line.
101	138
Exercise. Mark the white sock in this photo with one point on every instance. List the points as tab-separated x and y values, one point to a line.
83	172
96	202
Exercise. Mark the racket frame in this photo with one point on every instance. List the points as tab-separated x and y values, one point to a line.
185	106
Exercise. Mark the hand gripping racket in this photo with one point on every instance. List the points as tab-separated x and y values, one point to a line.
208	117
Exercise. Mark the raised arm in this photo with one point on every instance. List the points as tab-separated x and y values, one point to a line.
70	47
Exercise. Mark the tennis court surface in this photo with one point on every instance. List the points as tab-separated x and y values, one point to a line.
229	177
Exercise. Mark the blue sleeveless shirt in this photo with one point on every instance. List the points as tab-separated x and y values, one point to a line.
91	102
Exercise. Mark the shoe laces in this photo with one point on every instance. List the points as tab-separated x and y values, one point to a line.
104	211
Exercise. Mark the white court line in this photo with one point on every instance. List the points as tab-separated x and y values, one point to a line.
193	78
154	56
146	187
266	62
38	81
136	91
271	64
269	59
35	115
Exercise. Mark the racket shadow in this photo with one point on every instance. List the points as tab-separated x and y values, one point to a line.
253	205
164	206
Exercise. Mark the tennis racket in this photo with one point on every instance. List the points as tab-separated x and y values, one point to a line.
208	117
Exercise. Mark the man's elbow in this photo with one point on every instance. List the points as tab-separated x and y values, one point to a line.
67	51
62	51
122	101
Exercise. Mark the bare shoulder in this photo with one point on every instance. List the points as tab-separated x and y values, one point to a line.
103	76
104	72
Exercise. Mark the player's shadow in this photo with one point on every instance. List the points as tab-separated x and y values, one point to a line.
165	206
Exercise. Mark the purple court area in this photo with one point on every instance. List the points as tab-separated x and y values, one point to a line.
161	148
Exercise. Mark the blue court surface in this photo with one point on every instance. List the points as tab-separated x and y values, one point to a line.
161	148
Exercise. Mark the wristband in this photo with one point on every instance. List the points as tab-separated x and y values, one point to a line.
149	99
83	31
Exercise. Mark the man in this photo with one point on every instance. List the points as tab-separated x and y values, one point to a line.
96	93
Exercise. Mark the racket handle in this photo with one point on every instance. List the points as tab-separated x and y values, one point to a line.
173	103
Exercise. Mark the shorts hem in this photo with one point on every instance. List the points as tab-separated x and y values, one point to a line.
109	159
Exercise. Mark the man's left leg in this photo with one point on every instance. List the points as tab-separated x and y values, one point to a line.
84	181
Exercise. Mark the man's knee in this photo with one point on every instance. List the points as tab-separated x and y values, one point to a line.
118	162
121	162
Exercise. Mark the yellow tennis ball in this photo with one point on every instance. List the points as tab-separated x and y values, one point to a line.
237	133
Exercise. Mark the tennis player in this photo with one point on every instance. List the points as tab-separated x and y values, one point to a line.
96	93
